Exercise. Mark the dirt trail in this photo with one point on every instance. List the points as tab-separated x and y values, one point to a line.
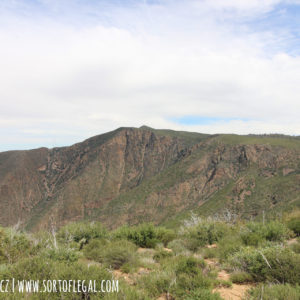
292	241
235	292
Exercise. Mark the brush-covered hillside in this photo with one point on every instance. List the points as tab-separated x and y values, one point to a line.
203	259
132	175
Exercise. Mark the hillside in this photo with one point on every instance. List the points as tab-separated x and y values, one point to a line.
142	174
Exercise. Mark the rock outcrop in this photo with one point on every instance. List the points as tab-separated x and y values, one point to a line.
132	175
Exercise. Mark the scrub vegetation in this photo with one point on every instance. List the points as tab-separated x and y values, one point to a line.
201	259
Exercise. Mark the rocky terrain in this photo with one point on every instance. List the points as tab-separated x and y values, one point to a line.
141	174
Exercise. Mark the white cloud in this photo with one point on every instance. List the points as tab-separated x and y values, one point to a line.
58	79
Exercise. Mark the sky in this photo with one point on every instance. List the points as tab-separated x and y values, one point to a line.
72	69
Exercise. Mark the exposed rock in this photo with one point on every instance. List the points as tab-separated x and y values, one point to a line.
132	175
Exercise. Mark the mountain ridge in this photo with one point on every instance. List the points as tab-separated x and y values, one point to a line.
131	175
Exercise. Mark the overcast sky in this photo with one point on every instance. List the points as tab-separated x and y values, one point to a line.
71	69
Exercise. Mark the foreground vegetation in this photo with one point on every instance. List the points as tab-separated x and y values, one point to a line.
153	262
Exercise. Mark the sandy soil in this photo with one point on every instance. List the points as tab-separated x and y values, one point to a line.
235	292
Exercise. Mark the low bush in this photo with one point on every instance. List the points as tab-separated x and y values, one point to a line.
14	246
295	247
209	252
275	292
252	238
145	235
162	254
202	294
93	250
178	246
241	277
255	234
205	232
113	254
276	232
223	283
30	268
127	292
228	246
274	264
157	283
81	232
189	265
165	235
187	283
80	271
41	268
294	225
61	254
118	253
189	276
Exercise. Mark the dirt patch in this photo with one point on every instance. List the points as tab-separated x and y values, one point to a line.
236	292
167	249
292	241
145	251
211	262
118	275
165	297
223	275
211	246
143	271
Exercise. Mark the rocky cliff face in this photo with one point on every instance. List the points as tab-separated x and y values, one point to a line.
133	175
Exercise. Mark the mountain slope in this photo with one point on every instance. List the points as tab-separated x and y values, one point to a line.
131	175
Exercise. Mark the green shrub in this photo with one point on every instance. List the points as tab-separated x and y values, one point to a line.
165	235
187	283
80	271
145	235
228	246
241	277
189	265
206	232
127	292
130	266
112	254
202	294
30	268
192	243
14	246
189	276
183	275
294	225
162	254
41	268
252	239
178	246
209	252
276	231
295	247
116	257
157	283
61	254
93	250
275	264
223	283
255	234
81	232
275	292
